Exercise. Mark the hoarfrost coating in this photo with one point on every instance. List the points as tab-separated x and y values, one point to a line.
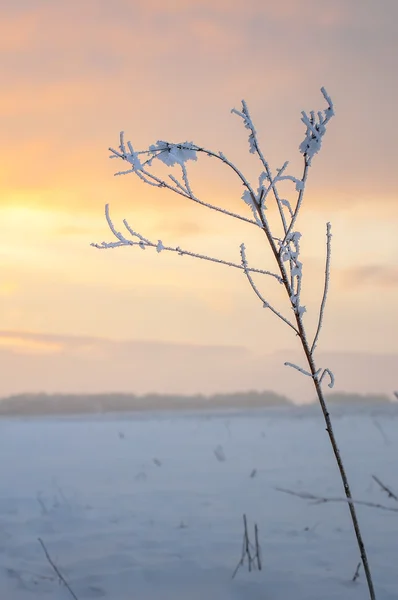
285	244
177	155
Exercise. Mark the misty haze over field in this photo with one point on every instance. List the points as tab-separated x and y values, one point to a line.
64	404
86	365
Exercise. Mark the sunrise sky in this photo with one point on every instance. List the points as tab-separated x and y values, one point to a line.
75	73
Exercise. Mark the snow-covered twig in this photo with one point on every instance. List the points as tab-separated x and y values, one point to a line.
255	147
266	304
331	377
179	153
316	128
326	286
301	370
314	375
145	243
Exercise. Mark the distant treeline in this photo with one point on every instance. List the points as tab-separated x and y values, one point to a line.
48	404
73	404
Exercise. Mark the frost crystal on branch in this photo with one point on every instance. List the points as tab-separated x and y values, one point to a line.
285	246
248	123
316	128
172	154
139	240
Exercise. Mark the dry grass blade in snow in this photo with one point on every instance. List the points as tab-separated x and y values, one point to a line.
250	552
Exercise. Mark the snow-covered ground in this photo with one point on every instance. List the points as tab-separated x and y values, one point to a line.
150	506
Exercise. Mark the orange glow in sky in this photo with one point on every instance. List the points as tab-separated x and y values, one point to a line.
75	74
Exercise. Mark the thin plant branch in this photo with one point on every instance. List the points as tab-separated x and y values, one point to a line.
299	202
245	115
386	489
258	548
144	243
56	570
356	574
152	179
326	287
266	304
301	370
386	440
331	377
178	190
323	500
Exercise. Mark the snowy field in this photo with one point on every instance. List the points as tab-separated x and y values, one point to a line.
150	506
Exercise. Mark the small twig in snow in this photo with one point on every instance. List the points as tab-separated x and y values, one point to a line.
57	571
356	574
382	432
253	553
321	500
258	548
43	506
386	489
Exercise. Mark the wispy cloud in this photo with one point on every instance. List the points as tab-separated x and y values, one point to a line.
21	343
83	364
374	276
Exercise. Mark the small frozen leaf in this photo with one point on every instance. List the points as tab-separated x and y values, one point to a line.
263	177
286	203
134	160
247	197
296	237
159	246
297	269
252	143
172	154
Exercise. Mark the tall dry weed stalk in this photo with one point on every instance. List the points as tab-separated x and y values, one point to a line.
284	243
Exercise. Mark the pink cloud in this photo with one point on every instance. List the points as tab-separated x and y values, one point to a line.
67	364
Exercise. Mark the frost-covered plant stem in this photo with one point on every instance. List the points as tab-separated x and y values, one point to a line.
284	243
339	460
314	374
